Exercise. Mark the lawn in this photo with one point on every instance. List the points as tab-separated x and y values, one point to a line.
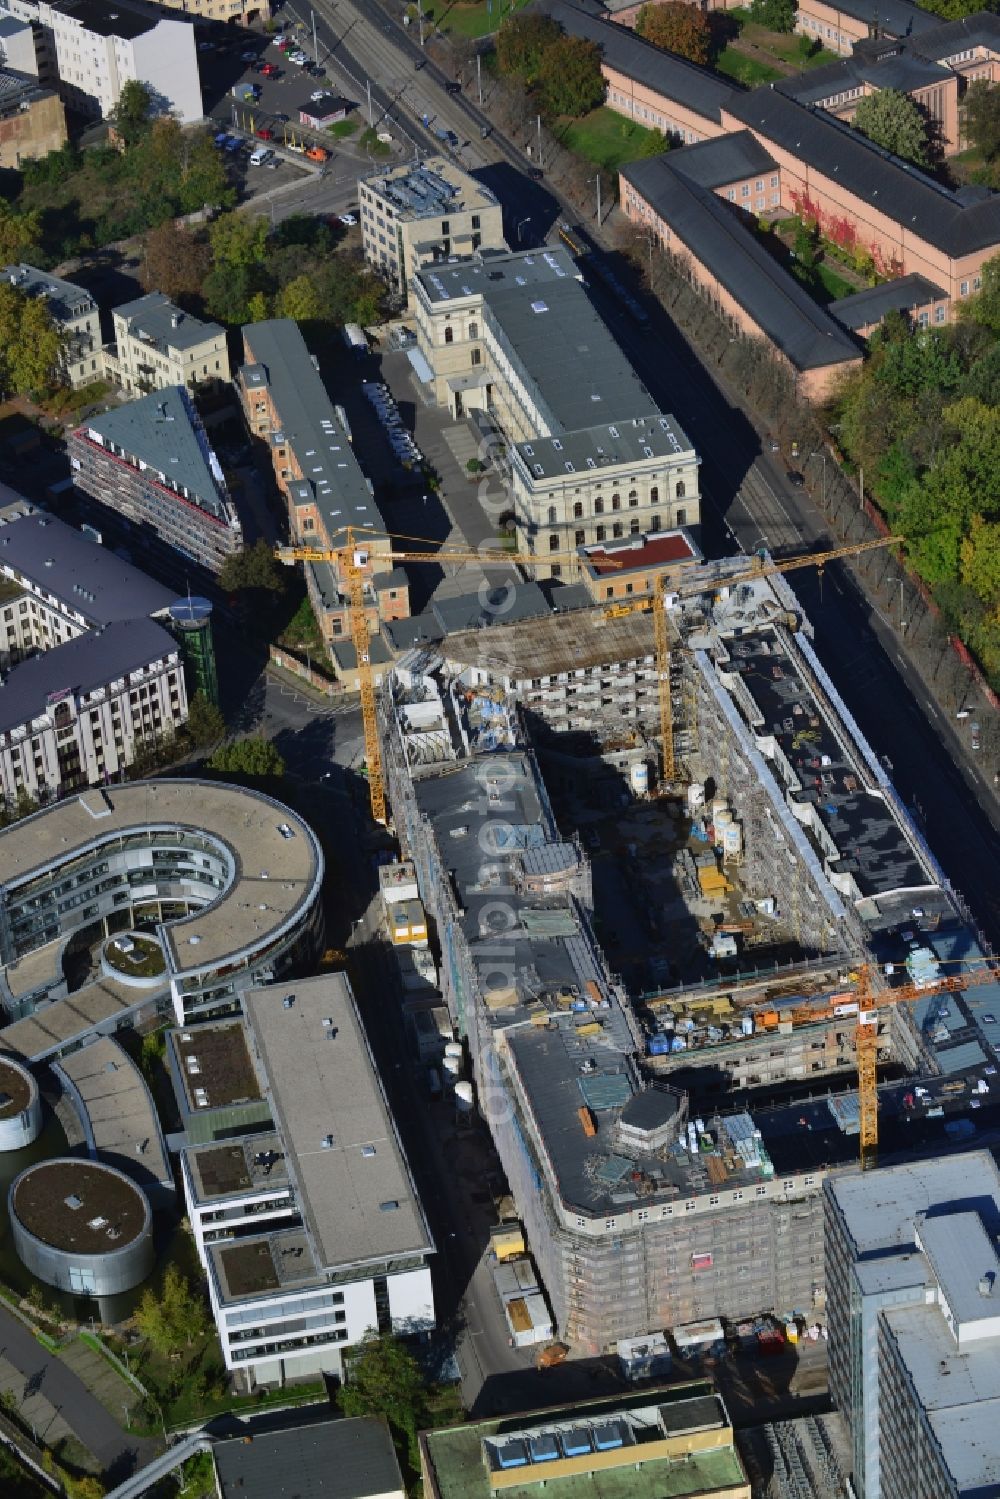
743	69
786	46
344	127
822	283
472	21
605	138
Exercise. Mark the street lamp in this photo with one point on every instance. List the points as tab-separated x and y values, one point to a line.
597	179
900	580
819	454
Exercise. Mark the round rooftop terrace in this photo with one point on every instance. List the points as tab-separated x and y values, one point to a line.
79	1207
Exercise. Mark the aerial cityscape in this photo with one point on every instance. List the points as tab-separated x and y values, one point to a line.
499	749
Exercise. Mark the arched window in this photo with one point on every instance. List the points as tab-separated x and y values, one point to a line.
449	335
578	538
654	495
617	529
552	515
473	330
633	497
578	511
681	491
616	502
655	523
599	505
682	516
553	543
633	526
600	533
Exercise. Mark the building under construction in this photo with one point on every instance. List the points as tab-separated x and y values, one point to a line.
659	1179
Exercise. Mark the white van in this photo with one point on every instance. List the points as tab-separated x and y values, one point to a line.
262	154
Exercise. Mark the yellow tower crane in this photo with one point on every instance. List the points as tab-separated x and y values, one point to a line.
669	587
350	559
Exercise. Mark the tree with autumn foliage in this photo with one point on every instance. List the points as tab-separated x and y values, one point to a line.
677	27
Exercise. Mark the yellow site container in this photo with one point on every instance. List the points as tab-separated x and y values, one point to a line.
507	1243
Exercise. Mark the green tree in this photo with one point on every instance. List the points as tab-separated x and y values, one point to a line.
237	294
805	245
654	144
776	15
30	344
238	240
205	724
130	116
982	117
384	1379
300	300
253	569
893	121
980	560
984	308
254	757
569	77
520	43
176	1318
20	233
677	27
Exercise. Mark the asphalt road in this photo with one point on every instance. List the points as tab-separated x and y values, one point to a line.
119	1452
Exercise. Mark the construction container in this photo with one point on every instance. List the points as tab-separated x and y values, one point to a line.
507	1241
586	1119
732	841
407	924
694	1338
639	778
657	1046
529	1321
647	1357
398	882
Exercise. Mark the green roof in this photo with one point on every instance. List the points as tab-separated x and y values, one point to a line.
456	1456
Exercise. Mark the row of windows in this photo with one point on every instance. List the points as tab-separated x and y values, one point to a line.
680	491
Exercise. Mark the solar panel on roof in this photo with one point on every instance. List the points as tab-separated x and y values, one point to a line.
512	1454
608	1436
576	1443
544	1448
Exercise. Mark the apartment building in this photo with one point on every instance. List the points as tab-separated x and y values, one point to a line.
151	461
94	676
89	51
233	12
421	212
73	311
157	345
286	405
590	457
346	1246
32	118
913	1282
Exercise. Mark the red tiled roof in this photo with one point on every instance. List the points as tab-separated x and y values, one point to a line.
672	547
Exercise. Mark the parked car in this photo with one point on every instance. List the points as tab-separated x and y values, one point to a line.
536	174
452	87
248	57
348	219
269	70
318	93
795	478
222	137
263	134
298	58
317	153
281	119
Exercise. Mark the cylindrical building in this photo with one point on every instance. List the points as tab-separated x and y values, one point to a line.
20	1106
81	1226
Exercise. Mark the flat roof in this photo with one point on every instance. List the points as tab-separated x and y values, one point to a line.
122	1118
216	1060
430	188
52	1025
872	845
17	1087
960	1253
80	666
719	239
461	1457
163	430
277	865
352	1180
880	1207
633	554
547	644
158	321
332	477
79	1207
591	449
353	1459
235	1168
83	575
544	320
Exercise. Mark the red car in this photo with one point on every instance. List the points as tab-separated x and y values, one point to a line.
264	135
269	70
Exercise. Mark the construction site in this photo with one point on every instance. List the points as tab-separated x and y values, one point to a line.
677	909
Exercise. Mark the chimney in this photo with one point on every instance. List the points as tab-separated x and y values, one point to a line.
175	319
986	1283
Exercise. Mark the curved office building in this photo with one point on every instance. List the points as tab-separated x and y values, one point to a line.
81	1226
20	1106
229	879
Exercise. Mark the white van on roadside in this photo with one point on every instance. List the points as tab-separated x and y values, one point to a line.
260	156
